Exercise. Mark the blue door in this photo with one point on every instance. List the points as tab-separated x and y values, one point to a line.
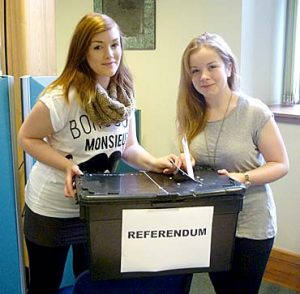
11	252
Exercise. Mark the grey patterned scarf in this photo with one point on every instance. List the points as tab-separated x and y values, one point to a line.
110	107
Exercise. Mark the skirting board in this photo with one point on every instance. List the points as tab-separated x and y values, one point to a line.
283	269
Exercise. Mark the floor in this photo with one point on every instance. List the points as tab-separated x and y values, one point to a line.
201	284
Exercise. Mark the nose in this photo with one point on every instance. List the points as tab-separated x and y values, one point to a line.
204	74
108	52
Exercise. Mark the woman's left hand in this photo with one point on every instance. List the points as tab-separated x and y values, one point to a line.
167	164
235	176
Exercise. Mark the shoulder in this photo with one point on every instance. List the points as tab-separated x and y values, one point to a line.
60	109
56	98
52	96
254	105
254	113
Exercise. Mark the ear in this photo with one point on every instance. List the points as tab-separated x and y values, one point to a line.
229	69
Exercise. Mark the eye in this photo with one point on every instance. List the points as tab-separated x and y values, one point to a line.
194	70
115	45
98	47
212	66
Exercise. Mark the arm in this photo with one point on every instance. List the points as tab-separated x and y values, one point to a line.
31	136
138	157
272	147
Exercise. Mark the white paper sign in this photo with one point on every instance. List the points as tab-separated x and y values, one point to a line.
166	239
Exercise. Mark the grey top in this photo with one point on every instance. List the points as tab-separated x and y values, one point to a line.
237	151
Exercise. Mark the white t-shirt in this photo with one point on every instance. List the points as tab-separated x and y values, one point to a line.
90	146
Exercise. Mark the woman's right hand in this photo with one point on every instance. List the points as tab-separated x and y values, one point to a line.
183	161
71	172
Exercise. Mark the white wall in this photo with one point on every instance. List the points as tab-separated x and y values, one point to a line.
156	74
262	48
68	14
286	192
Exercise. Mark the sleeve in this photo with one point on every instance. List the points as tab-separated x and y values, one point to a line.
58	108
261	115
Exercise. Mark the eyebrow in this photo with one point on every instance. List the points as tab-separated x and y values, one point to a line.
214	61
101	42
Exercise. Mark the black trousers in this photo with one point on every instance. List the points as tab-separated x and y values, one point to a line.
46	266
249	263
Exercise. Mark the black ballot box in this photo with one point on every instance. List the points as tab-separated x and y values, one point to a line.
112	203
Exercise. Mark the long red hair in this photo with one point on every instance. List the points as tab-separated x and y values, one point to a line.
77	72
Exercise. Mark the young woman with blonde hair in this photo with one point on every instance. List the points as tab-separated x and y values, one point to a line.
237	136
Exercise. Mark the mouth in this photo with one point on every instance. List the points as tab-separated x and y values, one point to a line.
206	86
111	63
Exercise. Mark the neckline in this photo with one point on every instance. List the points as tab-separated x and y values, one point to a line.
229	113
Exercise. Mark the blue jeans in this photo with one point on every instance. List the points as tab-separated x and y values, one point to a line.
249	262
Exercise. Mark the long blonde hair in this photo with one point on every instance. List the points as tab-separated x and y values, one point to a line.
191	105
77	72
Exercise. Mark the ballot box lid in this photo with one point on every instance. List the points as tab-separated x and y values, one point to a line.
99	187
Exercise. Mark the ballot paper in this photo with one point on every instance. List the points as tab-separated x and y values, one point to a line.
187	157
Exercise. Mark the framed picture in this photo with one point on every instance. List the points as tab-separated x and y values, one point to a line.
136	19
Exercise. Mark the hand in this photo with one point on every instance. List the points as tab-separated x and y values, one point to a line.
239	177
71	172
166	164
183	161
